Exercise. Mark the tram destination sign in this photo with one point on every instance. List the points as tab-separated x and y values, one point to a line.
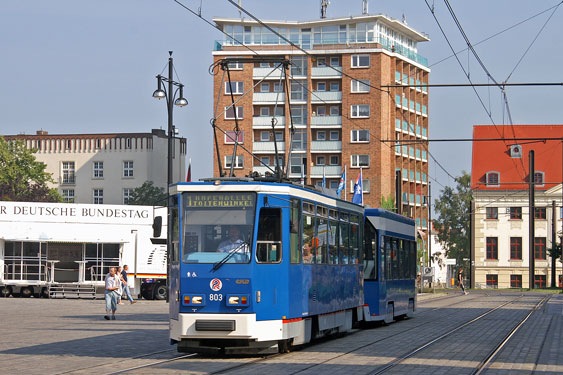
219	200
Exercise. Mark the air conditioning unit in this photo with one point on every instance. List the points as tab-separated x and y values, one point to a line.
516	151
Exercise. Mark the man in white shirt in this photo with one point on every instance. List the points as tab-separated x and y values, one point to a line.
113	284
233	241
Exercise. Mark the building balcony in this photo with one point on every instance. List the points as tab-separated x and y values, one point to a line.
267	147
330	171
326	72
267	73
266	122
326	146
318	97
326	121
268	97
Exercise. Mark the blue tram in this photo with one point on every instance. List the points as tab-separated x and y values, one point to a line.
258	264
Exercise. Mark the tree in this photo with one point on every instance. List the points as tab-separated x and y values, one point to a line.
148	195
22	177
388	203
453	212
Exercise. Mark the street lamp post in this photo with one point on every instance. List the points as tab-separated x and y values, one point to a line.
169	94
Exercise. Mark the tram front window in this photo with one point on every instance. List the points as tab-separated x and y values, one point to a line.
217	226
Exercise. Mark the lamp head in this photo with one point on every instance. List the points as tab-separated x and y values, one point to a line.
159	92
181	101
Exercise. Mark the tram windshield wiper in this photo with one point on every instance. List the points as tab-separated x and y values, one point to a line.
232	252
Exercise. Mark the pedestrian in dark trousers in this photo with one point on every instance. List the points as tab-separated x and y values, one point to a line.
460	280
125	288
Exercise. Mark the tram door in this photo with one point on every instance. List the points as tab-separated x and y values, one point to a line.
174	260
270	275
64	256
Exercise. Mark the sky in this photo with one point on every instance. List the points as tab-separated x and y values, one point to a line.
73	66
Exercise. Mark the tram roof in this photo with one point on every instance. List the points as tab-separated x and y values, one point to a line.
389	215
264	188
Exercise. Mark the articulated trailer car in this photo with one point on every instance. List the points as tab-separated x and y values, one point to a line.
65	249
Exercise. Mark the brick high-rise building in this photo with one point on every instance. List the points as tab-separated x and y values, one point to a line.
338	110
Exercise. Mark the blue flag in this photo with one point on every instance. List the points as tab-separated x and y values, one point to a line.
358	196
341	184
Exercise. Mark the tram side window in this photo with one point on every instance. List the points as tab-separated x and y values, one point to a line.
354	239
295	231
269	239
332	237
322	235
388	251
308	233
412	256
344	230
370	255
174	218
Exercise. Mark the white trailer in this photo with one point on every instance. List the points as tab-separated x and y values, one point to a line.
46	248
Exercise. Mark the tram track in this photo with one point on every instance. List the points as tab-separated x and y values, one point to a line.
266	358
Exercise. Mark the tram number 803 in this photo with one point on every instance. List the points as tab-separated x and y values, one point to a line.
215	297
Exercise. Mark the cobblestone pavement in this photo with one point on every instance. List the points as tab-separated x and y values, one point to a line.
70	336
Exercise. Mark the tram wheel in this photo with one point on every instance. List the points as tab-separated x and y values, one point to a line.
160	292
26	292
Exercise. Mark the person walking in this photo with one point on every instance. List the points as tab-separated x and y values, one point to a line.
460	280
120	291
125	285
112	286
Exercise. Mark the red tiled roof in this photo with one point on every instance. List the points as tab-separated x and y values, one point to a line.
513	172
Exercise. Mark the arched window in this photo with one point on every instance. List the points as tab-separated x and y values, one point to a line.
493	178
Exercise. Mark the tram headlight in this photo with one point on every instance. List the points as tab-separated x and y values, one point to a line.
234	300
197	300
238	300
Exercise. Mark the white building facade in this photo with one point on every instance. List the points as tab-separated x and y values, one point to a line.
105	168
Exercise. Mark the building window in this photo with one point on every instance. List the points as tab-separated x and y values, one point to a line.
516	248
235	66
365	186
334	110
334	160
492	281
321	111
321	135
539	179
264	136
128	168
321	61
492	213
237	88
539	248
265	160
360	161
493	179
230	137
540	213
360	136
98	196
360	61
127	193
321	160
516	213
230	113
334	135
278	87
265	87
334	184
360	111
361	85
128	143
334	86
239	161
539	281
68	144
334	61
492	247
68	173
279	136
321	86
68	195
516	281
98	169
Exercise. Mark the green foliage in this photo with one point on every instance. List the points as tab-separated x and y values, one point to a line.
389	203
148	195
452	209
555	252
22	177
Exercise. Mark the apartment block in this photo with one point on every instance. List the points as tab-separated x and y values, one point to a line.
105	168
329	109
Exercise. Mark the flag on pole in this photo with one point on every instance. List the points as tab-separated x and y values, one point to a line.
324	178
302	174
358	196
189	176
342	184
